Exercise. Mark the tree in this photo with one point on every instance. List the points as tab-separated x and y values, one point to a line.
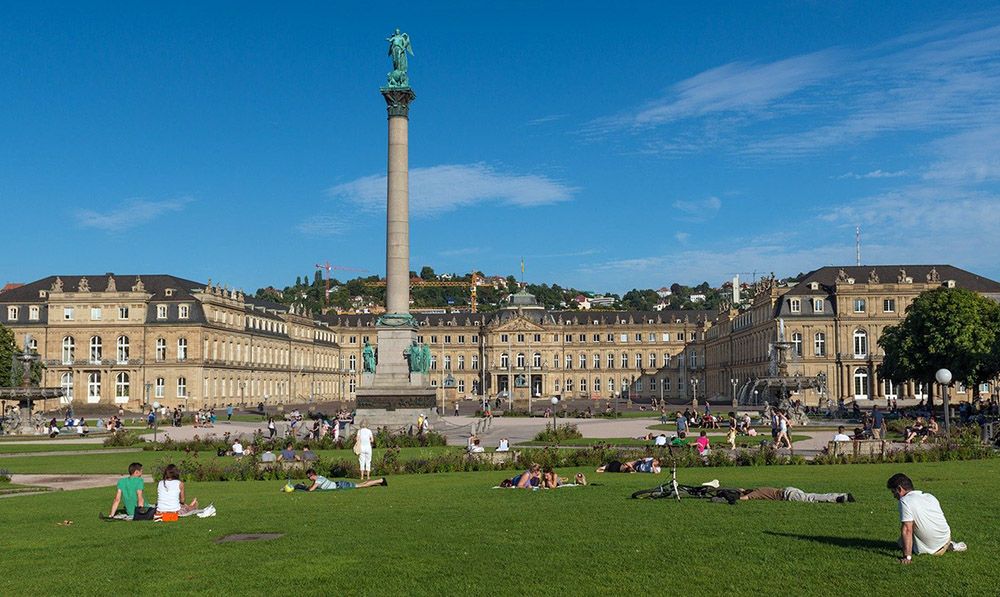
640	300
949	328
9	374
427	273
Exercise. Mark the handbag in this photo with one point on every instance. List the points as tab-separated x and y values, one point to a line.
357	449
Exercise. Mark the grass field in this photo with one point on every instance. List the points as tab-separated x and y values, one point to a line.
15	447
452	534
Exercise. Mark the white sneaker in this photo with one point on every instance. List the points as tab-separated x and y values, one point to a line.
714	483
209	511
958	546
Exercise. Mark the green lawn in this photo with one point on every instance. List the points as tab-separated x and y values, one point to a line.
451	534
118	462
16	447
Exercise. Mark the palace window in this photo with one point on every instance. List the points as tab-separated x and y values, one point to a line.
569	361
597	361
860	344
583	384
861	383
666	359
624	360
652	360
623	337
666	384
583	361
665	336
68	350
536	360
447	339
68	313
797	343
352	363
161	311
475	361
859	305
122	386
652	384
183	311
520	337
638	360
66	383
33	313
597	337
538	337
817	305
182	387
122	312
160	387
95	349
569	385
504	361
461	386
182	349
13	313
475	339
520	360
610	337
795	305
611	360
504	338
447	362
461	362
889	306
890	388
652	336
123	350
94	386
819	344
638	385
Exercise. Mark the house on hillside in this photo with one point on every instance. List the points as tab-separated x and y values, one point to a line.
582	302
663	292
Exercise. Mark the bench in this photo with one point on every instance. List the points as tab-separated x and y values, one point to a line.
495	457
859	447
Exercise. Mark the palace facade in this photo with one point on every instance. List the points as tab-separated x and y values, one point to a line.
134	340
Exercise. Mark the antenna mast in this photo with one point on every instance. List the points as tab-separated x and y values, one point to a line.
857	244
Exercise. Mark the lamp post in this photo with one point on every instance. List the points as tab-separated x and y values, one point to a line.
694	390
555	417
735	382
755	398
943	377
156	419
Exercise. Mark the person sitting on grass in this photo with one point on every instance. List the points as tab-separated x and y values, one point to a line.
932	427
731	438
476	448
170	501
923	527
702	443
793	494
129	493
308	455
321	483
527	480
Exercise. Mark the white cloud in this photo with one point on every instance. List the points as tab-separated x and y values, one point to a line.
545	119
972	156
322	226
874	174
682	237
129	214
438	189
698	209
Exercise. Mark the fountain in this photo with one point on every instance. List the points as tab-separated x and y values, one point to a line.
777	386
18	419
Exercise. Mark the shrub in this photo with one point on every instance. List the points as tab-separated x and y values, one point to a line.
122	439
4	476
553	434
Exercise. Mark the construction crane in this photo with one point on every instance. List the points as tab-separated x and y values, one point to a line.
473	283
326	266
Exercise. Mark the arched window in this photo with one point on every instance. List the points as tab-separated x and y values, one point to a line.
536	360
611	360
860	343
652	360
122	350
182	387
121	387
352	363
447	362
160	386
583	361
890	388
597	361
161	349
611	385
520	360
569	385
94	386
819	344
583	384
597	384
624	360
797	343
95	349
861	383
505	361
66	383
475	361
68	350
638	360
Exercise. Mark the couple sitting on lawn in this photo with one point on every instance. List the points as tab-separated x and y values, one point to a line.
642	465
170	502
536	477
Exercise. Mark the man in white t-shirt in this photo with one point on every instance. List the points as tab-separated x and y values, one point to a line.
237	448
841	436
923	528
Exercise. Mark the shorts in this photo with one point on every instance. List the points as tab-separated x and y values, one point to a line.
613	467
365	460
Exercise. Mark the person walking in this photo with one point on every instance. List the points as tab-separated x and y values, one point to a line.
272	429
229	412
456	408
878	424
364	441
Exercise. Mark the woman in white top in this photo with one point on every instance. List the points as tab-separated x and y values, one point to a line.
170	493
363	443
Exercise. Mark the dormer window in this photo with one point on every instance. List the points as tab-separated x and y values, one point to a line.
814	285
169	292
817	305
183	311
161	311
33	312
795	305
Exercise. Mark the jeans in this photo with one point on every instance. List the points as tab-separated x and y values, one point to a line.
793	494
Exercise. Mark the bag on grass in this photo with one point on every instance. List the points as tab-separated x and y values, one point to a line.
144	513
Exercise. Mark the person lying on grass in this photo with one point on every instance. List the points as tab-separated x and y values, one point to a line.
170	501
793	494
129	492
643	465
527	480
321	483
923	527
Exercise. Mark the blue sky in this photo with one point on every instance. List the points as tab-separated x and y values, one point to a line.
612	146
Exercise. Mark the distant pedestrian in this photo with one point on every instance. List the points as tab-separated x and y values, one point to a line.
878	424
456	408
272	429
364	441
229	412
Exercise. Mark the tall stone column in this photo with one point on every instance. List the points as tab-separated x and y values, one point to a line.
397	238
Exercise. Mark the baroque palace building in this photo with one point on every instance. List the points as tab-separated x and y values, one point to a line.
833	317
133	340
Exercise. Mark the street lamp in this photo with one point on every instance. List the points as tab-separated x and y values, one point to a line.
555	417
694	389
735	382
156	419
943	377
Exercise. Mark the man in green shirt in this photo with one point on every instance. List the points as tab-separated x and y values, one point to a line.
129	491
